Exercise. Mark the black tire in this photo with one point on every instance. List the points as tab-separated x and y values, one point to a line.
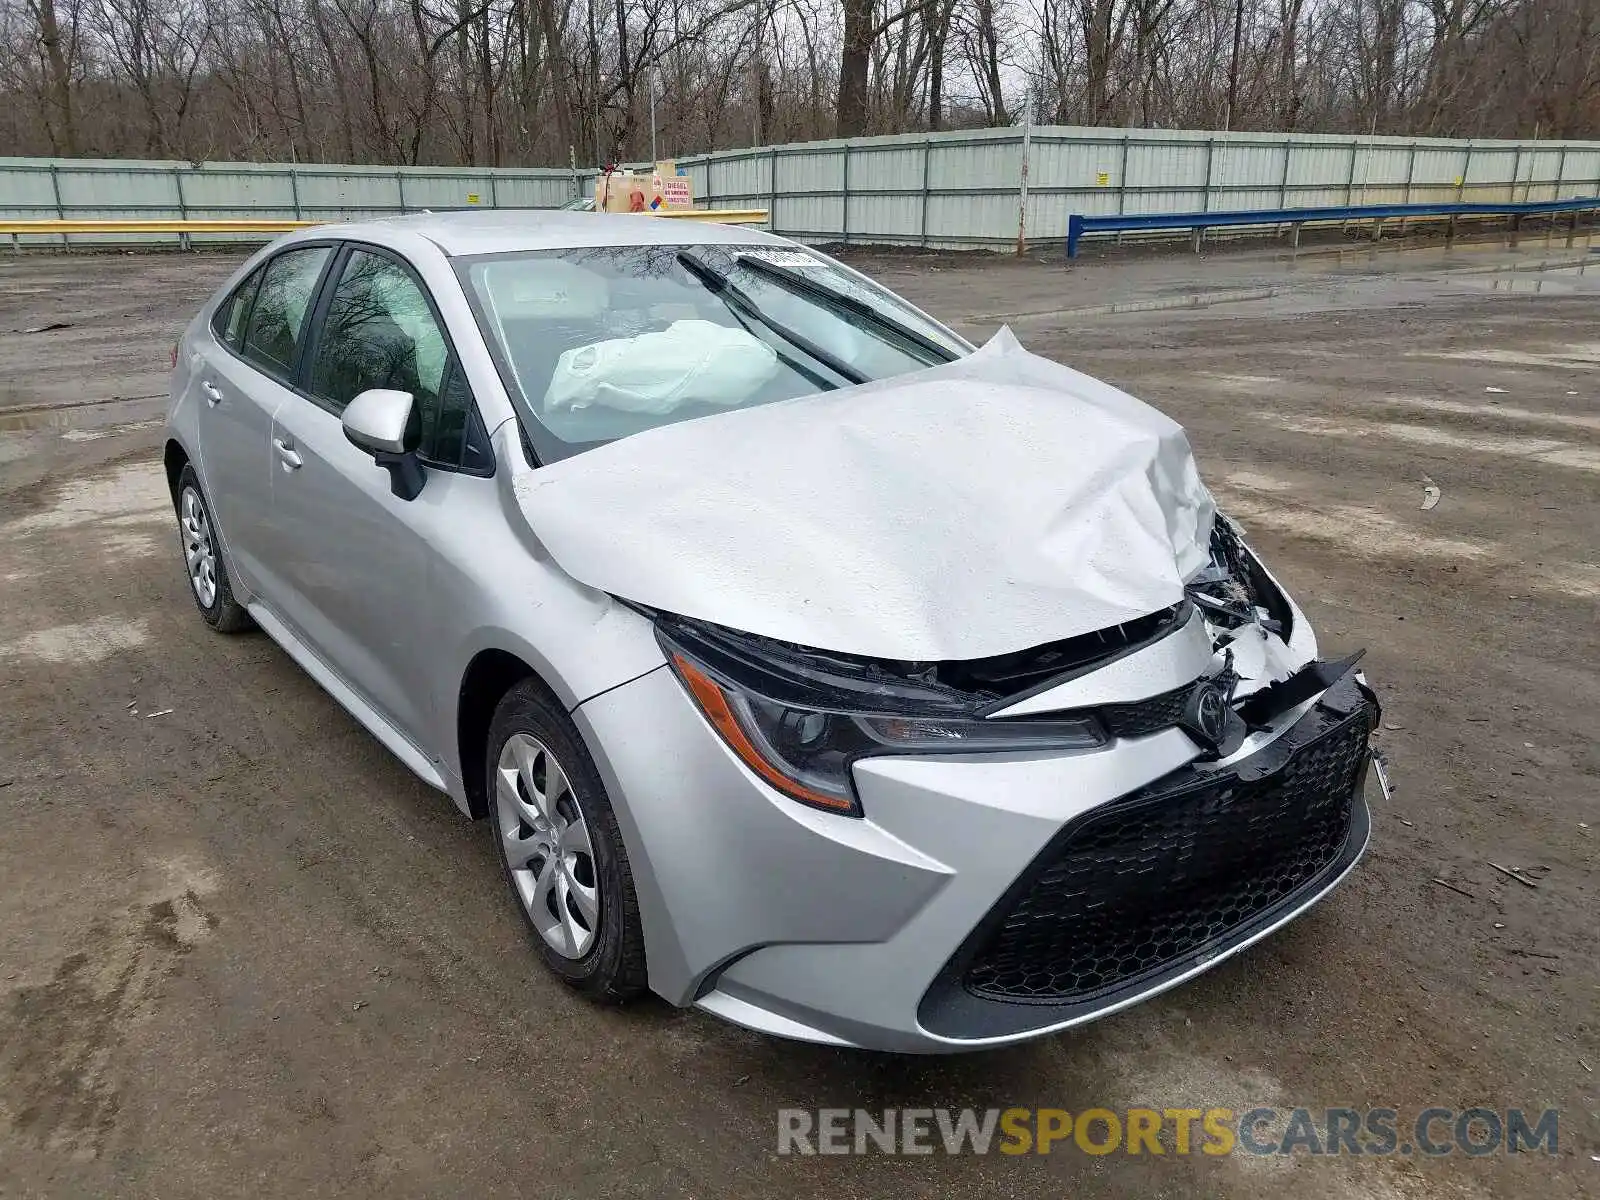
613	969
224	613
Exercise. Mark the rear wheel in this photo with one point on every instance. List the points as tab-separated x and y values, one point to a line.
202	559
561	849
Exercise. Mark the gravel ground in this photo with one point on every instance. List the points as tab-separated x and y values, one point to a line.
242	951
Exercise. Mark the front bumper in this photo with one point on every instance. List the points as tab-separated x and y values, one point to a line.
881	932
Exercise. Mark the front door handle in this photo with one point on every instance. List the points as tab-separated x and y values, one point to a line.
286	454
212	392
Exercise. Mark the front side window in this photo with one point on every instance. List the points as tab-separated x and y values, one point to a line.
278	317
601	342
380	332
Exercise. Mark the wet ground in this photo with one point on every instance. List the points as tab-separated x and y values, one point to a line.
242	951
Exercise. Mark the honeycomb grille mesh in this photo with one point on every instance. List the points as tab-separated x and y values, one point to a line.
1146	716
1163	874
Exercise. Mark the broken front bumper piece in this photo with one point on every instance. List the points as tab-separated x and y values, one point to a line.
981	899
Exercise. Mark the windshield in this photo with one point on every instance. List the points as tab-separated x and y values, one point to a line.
599	342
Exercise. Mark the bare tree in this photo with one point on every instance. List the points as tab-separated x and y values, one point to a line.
552	81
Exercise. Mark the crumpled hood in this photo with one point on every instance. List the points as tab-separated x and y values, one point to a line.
986	506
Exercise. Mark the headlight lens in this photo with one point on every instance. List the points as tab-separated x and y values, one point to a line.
804	749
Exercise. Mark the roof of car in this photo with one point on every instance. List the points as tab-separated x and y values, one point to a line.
497	231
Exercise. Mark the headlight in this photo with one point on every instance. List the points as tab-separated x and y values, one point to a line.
799	721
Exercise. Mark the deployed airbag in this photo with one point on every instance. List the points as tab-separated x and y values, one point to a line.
984	506
689	362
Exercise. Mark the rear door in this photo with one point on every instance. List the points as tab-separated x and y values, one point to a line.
247	358
355	564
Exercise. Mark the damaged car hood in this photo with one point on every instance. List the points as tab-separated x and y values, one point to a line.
992	504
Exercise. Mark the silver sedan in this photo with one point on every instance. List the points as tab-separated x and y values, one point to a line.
808	664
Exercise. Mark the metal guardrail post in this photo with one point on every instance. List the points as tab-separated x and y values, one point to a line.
927	167
61	211
844	200
772	191
400	184
294	191
1283	180
1411	174
183	207
1022	188
494	190
1466	169
1205	193
1350	179
1122	177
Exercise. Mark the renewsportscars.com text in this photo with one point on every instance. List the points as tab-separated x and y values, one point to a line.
1432	1132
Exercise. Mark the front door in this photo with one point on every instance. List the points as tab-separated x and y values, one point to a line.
355	564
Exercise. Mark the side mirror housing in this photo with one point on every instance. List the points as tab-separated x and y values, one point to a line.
376	422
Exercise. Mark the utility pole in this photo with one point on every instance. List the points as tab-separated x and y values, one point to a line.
755	73
1233	68
594	82
651	81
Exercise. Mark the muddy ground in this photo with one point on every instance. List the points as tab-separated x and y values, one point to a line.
242	951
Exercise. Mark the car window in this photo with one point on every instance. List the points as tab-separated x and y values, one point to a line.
228	324
380	332
278	317
601	342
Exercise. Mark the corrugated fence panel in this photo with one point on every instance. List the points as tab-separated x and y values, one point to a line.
972	220
27	195
322	195
885	219
85	189
1582	174
939	189
118	193
736	183
1489	173
1436	175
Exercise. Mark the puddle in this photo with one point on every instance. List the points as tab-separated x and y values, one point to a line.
84	420
1183	300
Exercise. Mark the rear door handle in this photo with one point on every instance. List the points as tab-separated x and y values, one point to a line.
212	393
286	454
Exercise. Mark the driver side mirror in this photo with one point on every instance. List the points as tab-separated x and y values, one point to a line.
377	422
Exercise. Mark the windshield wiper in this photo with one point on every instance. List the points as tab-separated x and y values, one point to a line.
794	281
737	299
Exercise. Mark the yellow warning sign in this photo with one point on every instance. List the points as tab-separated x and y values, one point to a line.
472	197
1102	179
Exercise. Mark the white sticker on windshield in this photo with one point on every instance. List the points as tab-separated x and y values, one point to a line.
783	258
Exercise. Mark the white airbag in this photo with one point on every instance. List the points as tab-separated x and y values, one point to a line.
689	362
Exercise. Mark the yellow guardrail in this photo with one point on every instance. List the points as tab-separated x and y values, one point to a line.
56	228
15	228
723	216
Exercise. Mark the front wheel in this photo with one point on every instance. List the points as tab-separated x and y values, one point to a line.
561	850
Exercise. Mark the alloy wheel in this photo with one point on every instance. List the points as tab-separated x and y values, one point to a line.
546	844
199	553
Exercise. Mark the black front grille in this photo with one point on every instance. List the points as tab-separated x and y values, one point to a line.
1146	716
1176	868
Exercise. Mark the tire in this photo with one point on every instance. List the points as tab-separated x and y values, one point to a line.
560	849
202	559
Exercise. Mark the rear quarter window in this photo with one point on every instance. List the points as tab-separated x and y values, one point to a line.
229	320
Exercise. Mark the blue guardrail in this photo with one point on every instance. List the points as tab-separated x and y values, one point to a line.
1079	224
